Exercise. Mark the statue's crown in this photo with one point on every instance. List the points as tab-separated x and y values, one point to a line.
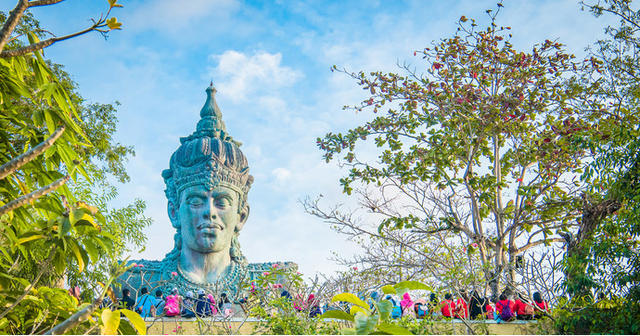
209	156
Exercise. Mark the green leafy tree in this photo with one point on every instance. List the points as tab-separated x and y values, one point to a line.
102	159
42	225
603	261
485	143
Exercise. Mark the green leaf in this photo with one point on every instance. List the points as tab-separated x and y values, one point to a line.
78	253
357	309
365	324
348	297
92	250
64	226
388	289
384	309
406	286
28	237
136	321
393	329
337	314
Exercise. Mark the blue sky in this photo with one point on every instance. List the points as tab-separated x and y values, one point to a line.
270	61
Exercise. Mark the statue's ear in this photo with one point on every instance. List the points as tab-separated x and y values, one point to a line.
173	214
244	214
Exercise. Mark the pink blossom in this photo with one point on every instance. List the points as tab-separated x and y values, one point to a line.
134	265
174	273
355	268
174	330
275	265
277	286
298	273
140	265
474	245
228	312
266	273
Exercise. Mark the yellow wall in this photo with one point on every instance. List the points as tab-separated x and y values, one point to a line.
172	326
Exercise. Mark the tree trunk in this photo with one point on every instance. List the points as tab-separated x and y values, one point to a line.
592	215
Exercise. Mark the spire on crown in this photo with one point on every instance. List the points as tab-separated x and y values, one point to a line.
211	124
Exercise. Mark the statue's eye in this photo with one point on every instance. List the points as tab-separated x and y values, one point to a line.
223	202
195	201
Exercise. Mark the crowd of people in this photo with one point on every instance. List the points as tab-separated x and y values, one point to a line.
174	304
508	307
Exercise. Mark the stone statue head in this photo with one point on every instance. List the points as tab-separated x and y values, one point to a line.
206	186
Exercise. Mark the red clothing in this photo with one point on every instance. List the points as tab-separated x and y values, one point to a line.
462	310
519	307
504	303
448	307
489	308
542	305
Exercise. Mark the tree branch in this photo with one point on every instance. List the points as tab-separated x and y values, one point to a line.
21	160
536	243
46	43
30	197
36	3
12	22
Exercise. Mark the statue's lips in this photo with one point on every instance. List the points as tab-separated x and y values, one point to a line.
210	228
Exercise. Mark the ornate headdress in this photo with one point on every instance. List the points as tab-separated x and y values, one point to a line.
209	157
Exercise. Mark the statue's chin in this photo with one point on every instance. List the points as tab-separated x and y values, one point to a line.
206	246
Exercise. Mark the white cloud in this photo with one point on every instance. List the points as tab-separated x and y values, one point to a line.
172	16
281	174
238	75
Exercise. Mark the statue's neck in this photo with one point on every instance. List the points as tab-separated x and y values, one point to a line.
204	267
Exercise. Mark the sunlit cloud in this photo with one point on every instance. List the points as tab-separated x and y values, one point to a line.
238	75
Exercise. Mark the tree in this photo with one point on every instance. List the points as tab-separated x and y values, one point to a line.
102	159
486	143
41	222
603	261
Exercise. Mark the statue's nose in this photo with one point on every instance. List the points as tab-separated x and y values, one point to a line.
210	209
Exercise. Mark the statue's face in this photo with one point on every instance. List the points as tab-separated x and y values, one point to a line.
209	218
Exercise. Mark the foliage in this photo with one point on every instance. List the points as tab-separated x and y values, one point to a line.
375	318
486	143
104	157
282	315
44	229
606	260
